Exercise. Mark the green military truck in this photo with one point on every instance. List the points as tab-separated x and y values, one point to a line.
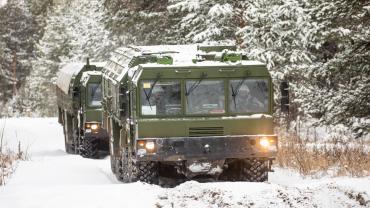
188	111
79	97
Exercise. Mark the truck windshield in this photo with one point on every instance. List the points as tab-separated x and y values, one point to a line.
94	95
207	98
249	96
163	98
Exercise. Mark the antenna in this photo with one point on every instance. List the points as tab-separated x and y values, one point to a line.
87	61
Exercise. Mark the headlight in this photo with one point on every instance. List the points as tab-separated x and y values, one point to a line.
94	126
150	146
141	144
147	145
264	142
268	143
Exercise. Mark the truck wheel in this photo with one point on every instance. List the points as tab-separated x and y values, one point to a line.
255	170
125	170
147	172
89	148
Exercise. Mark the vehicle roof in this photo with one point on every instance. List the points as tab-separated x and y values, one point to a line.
182	56
68	71
205	64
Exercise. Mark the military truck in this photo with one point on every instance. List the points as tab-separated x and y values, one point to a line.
187	111
79	97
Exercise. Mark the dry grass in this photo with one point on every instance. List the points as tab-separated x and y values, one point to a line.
8	158
349	157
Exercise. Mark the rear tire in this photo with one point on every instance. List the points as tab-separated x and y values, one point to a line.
89	148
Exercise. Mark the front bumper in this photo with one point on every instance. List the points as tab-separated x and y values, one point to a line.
208	148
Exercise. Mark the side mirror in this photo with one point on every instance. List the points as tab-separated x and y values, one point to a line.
284	101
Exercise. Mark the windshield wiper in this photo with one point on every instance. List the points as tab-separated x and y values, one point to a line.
149	94
235	91
194	86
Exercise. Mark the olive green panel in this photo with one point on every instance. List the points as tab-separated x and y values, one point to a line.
93	115
154	128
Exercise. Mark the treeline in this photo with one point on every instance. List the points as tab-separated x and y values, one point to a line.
21	27
322	47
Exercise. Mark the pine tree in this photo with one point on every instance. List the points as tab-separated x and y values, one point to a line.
322	48
138	22
203	21
74	30
18	33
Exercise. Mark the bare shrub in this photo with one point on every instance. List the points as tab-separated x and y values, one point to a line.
9	158
337	157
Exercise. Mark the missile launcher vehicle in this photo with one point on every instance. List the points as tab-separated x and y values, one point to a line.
187	111
79	97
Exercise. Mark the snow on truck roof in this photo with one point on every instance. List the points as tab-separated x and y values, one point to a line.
67	72
182	56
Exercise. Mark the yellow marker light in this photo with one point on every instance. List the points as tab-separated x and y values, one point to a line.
264	142
150	145
87	126
141	144
94	126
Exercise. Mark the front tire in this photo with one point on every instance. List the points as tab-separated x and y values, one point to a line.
251	170
255	170
125	171
128	171
89	148
147	172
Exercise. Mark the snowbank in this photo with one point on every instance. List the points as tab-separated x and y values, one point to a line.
52	178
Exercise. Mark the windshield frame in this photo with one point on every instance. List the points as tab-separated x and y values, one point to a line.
202	82
269	94
228	112
140	102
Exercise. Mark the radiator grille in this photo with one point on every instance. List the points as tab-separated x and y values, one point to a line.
206	131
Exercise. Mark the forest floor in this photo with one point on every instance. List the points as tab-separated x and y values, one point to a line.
48	177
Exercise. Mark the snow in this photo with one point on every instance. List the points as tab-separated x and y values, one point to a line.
71	69
3	2
188	62
182	55
52	178
66	73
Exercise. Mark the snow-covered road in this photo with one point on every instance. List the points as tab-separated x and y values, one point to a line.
51	178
